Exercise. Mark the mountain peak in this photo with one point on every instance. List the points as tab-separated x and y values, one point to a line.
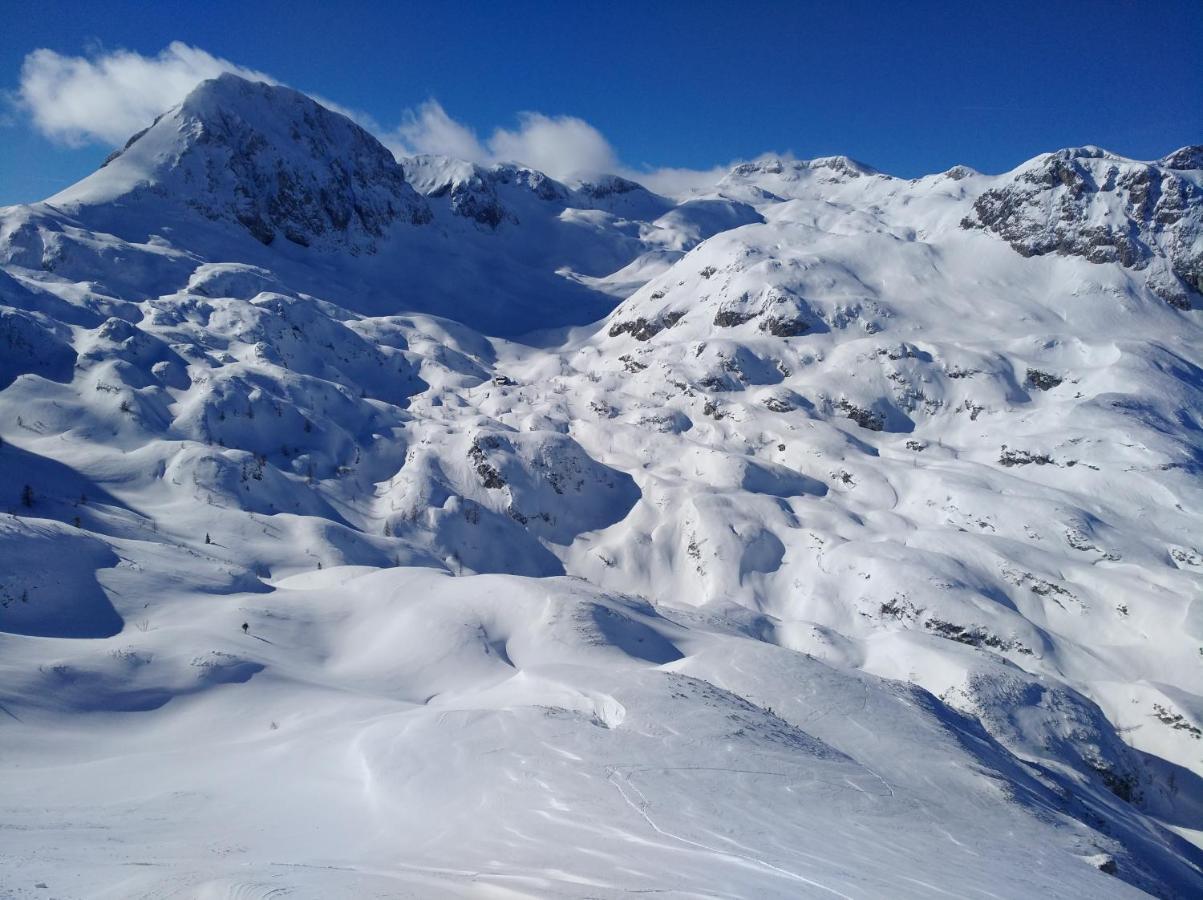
266	157
229	87
1105	208
1184	158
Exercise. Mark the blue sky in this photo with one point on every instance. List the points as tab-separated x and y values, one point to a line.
910	88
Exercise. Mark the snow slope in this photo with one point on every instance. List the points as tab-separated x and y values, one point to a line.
823	534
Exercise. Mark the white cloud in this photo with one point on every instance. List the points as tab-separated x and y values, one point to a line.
559	146
678	184
107	98
429	129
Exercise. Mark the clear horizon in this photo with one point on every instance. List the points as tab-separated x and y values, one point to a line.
909	91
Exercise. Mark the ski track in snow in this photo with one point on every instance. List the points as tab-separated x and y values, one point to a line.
641	809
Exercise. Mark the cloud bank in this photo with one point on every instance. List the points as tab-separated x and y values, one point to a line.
77	100
561	146
428	129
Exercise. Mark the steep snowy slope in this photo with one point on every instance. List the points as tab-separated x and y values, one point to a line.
263	157
849	544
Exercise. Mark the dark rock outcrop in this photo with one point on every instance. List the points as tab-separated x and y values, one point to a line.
276	162
642	329
1105	209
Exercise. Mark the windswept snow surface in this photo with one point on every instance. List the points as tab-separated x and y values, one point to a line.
825	535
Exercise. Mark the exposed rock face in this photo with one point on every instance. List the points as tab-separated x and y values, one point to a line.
475	199
476	192
778	326
1185	158
729	318
642	329
865	418
1011	458
959	173
274	161
835	166
1085	202
620	197
609	186
1042	381
474	195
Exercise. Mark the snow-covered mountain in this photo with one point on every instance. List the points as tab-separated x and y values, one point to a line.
823	533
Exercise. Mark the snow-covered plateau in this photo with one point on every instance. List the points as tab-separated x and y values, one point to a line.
822	534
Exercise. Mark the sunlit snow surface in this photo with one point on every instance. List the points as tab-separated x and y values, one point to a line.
854	549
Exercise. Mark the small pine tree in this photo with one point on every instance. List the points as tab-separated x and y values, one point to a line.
208	540
27	496
388	529
77	522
